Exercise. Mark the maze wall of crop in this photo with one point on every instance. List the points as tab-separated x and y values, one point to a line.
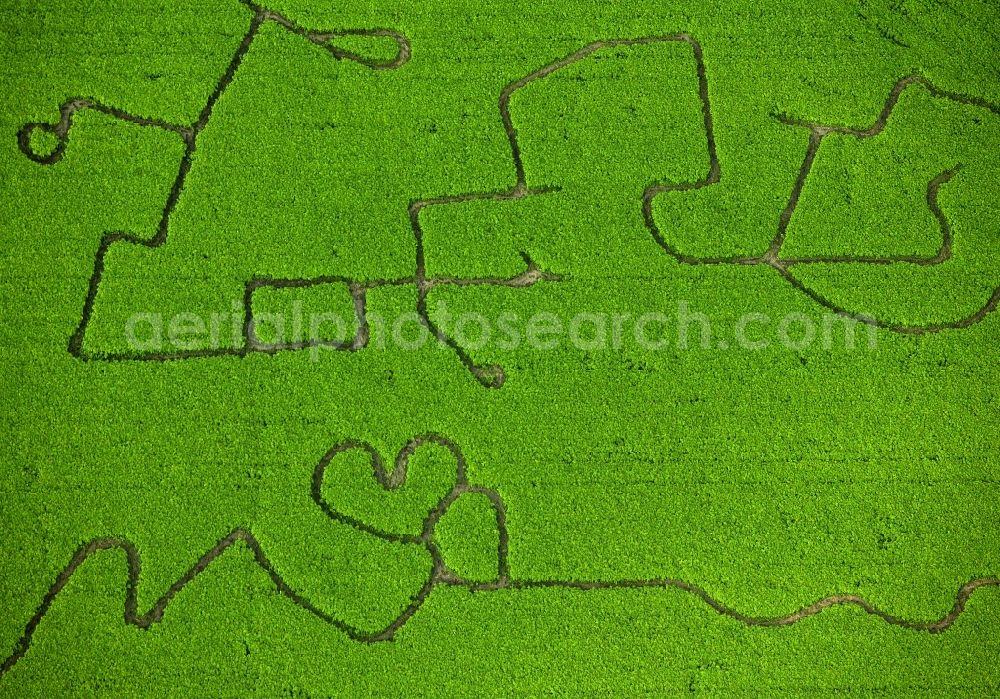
507	348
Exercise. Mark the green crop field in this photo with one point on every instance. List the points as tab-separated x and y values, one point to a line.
422	348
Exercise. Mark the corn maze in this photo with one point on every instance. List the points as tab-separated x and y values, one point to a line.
500	348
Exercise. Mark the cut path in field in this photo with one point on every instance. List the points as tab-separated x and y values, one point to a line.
493	376
439	574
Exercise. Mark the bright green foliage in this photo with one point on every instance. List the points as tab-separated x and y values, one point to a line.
43	142
769	478
869	197
738	216
351	488
612	123
324	312
378	49
469	538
